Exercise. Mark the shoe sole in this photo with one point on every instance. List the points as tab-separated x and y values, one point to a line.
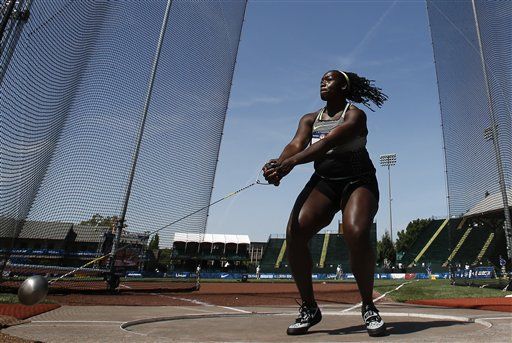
297	332
377	332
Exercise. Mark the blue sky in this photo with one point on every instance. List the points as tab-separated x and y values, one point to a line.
285	48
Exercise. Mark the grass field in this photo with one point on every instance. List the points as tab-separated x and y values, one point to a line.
416	290
7	298
433	289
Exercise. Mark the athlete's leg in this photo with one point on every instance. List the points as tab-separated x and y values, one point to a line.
358	212
312	212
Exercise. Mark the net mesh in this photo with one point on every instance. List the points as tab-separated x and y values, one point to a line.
74	81
475	85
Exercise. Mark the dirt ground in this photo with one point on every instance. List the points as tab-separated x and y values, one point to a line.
222	294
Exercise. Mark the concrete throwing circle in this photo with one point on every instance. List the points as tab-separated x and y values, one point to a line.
271	327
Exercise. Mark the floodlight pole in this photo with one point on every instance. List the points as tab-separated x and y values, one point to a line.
120	223
388	161
492	134
390	215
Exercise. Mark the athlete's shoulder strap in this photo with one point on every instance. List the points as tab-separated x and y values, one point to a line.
345	111
320	112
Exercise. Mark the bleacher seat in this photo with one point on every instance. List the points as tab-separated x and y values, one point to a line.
442	245
337	253
315	247
420	242
472	245
270	255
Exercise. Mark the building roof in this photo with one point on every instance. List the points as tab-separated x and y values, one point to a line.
33	229
45	230
39	230
211	238
490	203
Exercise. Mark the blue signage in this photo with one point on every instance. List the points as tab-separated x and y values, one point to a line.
480	272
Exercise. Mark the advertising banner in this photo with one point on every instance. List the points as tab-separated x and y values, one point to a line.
484	273
480	272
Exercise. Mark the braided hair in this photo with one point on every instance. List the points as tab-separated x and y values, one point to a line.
362	90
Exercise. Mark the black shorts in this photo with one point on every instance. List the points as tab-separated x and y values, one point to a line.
338	190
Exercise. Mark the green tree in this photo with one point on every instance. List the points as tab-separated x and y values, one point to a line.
98	220
154	243
407	237
164	259
386	250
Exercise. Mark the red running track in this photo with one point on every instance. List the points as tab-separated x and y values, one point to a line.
490	304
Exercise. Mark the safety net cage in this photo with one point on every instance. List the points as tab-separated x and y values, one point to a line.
472	43
111	118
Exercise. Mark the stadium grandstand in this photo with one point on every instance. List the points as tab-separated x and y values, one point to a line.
328	250
44	246
212	252
477	238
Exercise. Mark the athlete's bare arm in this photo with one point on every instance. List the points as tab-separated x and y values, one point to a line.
353	125
299	142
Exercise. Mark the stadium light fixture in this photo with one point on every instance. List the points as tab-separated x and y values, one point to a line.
389	160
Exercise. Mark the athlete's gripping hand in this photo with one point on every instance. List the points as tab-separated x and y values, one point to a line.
274	171
269	172
284	168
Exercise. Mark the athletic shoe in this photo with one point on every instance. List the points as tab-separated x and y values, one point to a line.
374	323
308	316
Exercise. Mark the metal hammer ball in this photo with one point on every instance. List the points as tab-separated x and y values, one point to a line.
33	290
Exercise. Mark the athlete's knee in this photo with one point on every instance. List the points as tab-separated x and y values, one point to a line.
357	235
296	235
299	230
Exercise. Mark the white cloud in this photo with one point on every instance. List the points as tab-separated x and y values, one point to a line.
348	61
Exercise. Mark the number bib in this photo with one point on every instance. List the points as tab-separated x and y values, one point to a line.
316	136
